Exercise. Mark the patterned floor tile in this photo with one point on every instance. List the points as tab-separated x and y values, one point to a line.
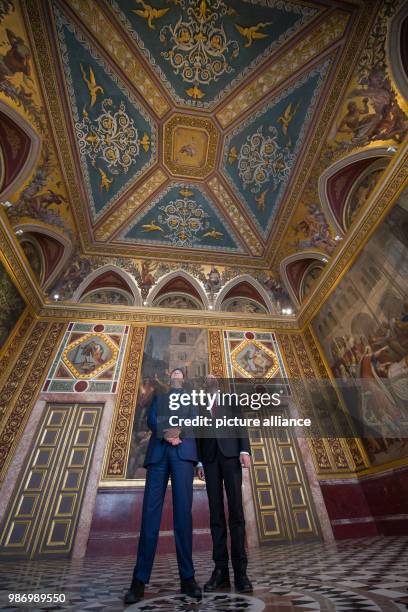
368	574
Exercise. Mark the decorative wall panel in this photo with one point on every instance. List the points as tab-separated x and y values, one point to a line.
42	518
22	385
120	436
89	359
13	347
283	503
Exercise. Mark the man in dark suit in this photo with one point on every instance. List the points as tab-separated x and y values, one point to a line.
221	463
168	454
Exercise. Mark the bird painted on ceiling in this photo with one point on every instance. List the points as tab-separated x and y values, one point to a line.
149	13
93	87
202	11
145	142
151	227
212	234
233	154
105	181
251	32
189	149
195	92
261	200
287	116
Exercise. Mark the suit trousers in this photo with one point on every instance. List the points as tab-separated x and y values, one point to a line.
226	471
182	474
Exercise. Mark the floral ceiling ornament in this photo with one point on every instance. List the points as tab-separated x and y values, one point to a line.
110	137
184	219
261	159
199	49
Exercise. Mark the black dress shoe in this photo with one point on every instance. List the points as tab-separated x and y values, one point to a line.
135	593
219	580
243	584
190	587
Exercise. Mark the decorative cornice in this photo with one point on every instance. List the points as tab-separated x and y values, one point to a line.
208	319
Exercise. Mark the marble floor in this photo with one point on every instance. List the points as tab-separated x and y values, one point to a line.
367	574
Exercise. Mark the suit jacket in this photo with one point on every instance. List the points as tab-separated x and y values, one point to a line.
229	447
187	450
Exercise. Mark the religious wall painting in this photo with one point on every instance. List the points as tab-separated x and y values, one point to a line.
16	64
361	192
112	297
243	304
373	109
261	153
43	196
363	330
34	256
116	138
312	273
177	300
89	359
165	348
90	355
313	232
252	355
12	305
201	49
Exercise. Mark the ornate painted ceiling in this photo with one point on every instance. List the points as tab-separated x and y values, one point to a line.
188	132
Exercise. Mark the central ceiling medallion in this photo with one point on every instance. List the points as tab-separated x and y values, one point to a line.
190	146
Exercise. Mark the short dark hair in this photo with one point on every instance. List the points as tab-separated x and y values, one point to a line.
176	370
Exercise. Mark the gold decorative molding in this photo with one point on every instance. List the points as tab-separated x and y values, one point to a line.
45	60
91	14
29	390
161	316
216	353
45	507
21	367
121	430
11	348
124	212
227	204
312	45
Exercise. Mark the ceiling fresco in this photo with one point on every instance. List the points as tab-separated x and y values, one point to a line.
260	154
192	136
183	216
116	138
202	49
